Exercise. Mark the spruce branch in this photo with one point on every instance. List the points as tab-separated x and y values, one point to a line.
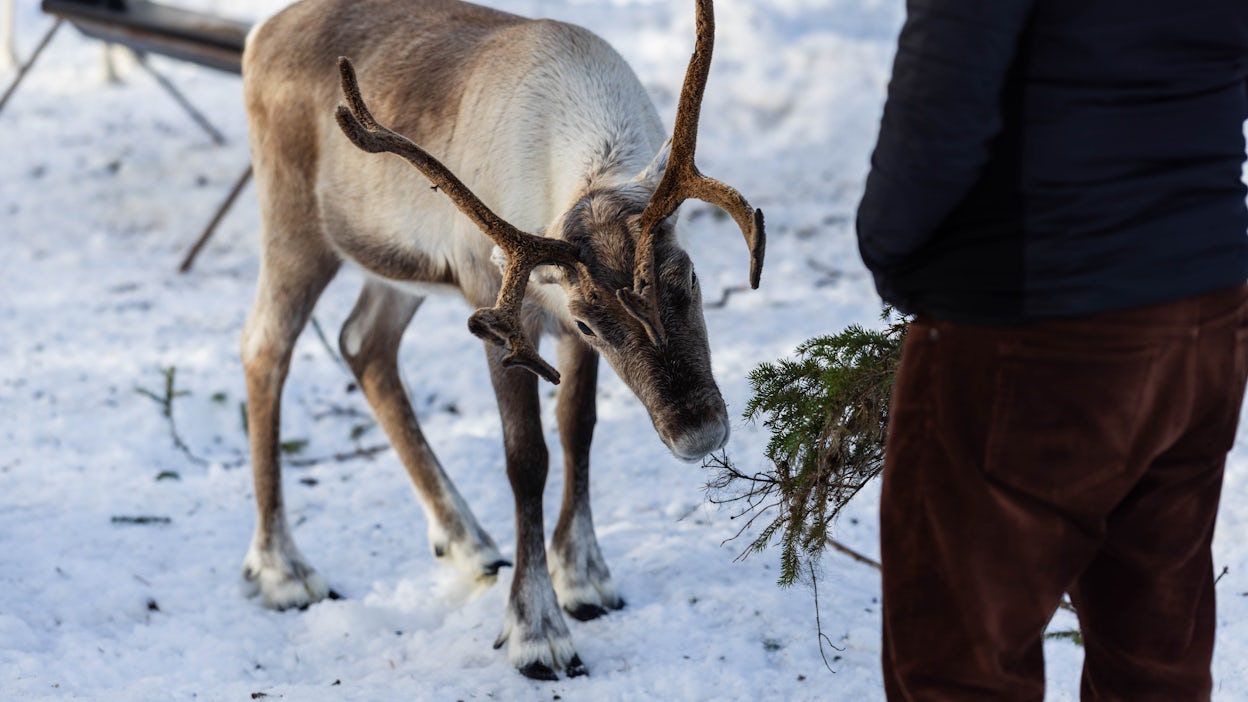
827	412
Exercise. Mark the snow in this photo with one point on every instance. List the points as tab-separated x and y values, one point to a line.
103	188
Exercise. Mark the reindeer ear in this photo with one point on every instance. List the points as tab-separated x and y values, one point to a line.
654	172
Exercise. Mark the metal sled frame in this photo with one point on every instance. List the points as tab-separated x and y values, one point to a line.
148	27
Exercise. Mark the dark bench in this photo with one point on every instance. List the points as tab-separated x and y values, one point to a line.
150	28
207	40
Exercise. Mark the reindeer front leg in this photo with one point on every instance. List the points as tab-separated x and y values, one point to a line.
581	578
537	637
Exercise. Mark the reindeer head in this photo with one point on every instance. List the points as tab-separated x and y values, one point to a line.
661	354
631	290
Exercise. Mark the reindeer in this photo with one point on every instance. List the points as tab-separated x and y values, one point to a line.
544	121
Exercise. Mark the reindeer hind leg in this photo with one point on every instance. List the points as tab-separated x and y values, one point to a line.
292	277
370	344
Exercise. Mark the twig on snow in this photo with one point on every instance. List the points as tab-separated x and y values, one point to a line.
865	560
364	452
724	295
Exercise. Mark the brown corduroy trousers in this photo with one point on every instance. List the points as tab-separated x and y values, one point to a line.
1081	456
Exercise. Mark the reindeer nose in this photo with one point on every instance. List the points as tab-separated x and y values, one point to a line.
693	443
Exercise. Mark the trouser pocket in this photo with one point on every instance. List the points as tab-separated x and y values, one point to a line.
1065	417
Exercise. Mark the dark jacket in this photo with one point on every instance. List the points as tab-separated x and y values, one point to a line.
1050	158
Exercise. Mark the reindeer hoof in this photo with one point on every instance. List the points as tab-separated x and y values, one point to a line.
541	671
586	612
539	643
283	580
588	601
580	577
476	560
538	671
331	595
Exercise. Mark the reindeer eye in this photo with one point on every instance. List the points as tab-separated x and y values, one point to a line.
584	328
693	279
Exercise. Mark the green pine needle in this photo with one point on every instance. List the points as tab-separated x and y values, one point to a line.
827	411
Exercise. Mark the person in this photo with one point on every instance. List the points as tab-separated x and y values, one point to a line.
1057	196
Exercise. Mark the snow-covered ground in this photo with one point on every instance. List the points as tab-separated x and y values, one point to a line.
102	189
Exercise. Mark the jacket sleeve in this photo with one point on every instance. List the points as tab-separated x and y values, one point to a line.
942	112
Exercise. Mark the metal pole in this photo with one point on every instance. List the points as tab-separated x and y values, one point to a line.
177	95
21	72
216	219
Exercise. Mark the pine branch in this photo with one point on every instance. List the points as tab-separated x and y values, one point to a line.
827	411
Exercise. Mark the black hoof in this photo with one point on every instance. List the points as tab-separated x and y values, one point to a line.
333	595
586	612
538	671
576	668
492	569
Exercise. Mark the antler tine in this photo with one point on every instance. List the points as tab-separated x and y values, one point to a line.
499	324
682	180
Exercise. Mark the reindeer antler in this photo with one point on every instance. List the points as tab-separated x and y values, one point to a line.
499	324
682	181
